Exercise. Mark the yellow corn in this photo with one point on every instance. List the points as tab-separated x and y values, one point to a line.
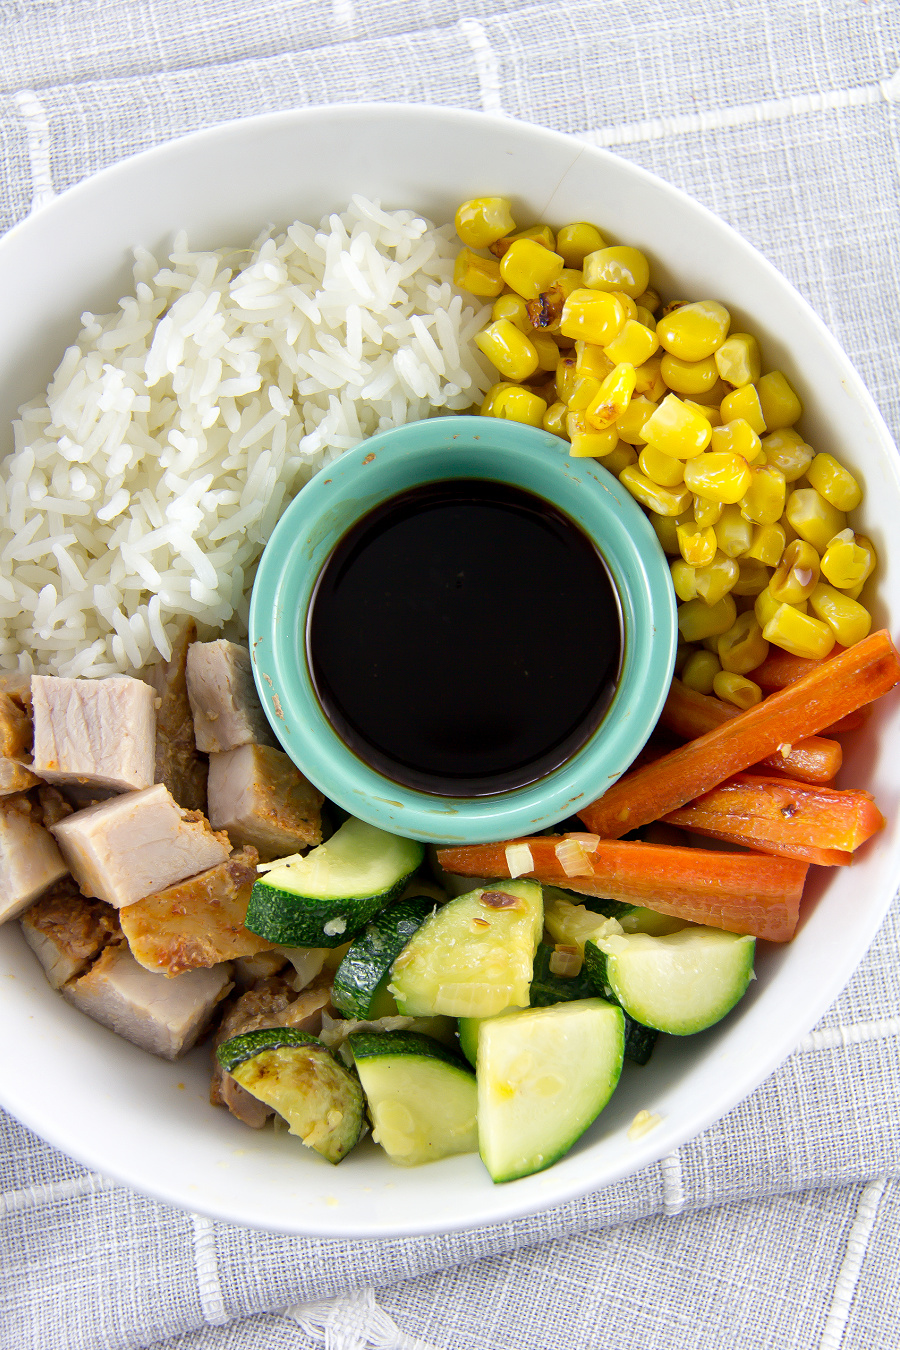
528	268
649	300
483	220
613	396
698	546
848	560
511	306
545	310
767	545
541	234
481	276
799	634
708	410
744	402
787	450
666	528
595	316
707	512
848	619
648	379
736	689
753	577
583	389
630	423
738	360
689	377
588	442
694	331
700	669
547	350
635	344
765	606
509	349
490	398
660	468
684	579
574	242
733	531
719	475
617	268
742	648
622	457
764	500
664	501
645	316
698	620
796	574
835	483
518	404
814	519
737	436
715	579
676	430
554	419
780	405
627	304
592	360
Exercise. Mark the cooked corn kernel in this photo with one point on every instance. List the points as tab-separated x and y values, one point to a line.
707	512
738	361
787	450
635	344
481	276
715	579
645	316
622	457
737	436
612	398
595	316
574	242
700	669
584	389
483	220
587	441
796	573
697	545
511	306
617	268
694	331
487	406
708	410
545	310
592	360
541	234
766	606
835	483
698	620
649	300
518	404
743	647
662	469
666	528
630	423
554	419
648	379
848	560
719	475
753	577
848	619
547	350
664	501
733	531
736	689
814	519
528	268
676	430
684	579
509	349
566	375
780	405
689	377
767	545
627	304
744	402
764	500
799	634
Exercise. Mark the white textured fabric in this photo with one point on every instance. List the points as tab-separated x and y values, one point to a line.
778	1227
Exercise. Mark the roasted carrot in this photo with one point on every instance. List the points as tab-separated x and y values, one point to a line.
794	820
690	714
780	669
838	686
740	892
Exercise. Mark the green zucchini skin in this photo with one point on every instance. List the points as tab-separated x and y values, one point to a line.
547	988
639	1040
377	1044
241	1048
360	981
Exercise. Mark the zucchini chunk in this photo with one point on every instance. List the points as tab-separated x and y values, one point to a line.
544	1074
326	897
474	956
422	1098
361	980
296	1075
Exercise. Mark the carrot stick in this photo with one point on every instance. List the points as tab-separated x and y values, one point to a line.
839	686
793	820
690	714
780	669
740	892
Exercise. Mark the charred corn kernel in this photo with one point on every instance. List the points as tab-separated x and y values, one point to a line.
630	425
715	579
766	606
688	377
574	242
835	483
664	501
753	576
509	349
697	545
734	532
698	620
764	500
693	332
848	560
787	450
517	404
566	375
684	579
737	689
780	405
528	268
620	458
483	220
595	316
719	475
649	300
554	420
708	410
617	268
547	351
744	403
666	528
481	276
592	360
613	397
706	512
737	436
700	669
814	519
743	647
848	619
584	390
545	310
676	430
511	306
662	469
767	544
799	634
645	316
738	361
649	381
589	442
635	344
796	573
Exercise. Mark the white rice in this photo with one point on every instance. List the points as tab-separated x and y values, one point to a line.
144	484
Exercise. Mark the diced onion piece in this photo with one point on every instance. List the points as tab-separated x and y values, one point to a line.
589	841
519	859
573	858
643	1123
566	962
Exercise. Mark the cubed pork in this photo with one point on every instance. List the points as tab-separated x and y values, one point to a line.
197	922
29	859
260	797
15	728
99	733
137	843
67	931
15	777
246	971
226	709
163	1016
178	763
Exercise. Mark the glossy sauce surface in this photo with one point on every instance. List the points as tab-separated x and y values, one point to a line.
464	638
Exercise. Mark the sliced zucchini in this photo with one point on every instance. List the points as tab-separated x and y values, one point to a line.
467	1029
361	980
422	1099
327	896
295	1074
548	988
681	982
572	924
639	1041
633	918
474	956
544	1074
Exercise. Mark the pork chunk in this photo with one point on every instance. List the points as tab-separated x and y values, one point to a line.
261	798
15	777
223	698
29	859
100	733
137	843
178	764
163	1016
66	931
197	922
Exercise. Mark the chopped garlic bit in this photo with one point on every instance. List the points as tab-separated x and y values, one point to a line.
573	859
519	859
334	927
784	750
643	1123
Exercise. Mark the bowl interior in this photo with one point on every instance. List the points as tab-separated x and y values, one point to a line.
148	1122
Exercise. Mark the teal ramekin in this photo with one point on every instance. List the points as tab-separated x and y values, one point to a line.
429	451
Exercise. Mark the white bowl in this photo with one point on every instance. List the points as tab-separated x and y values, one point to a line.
148	1123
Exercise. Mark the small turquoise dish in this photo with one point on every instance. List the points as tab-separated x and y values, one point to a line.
430	451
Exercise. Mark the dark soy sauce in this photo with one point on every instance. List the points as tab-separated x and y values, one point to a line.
464	638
